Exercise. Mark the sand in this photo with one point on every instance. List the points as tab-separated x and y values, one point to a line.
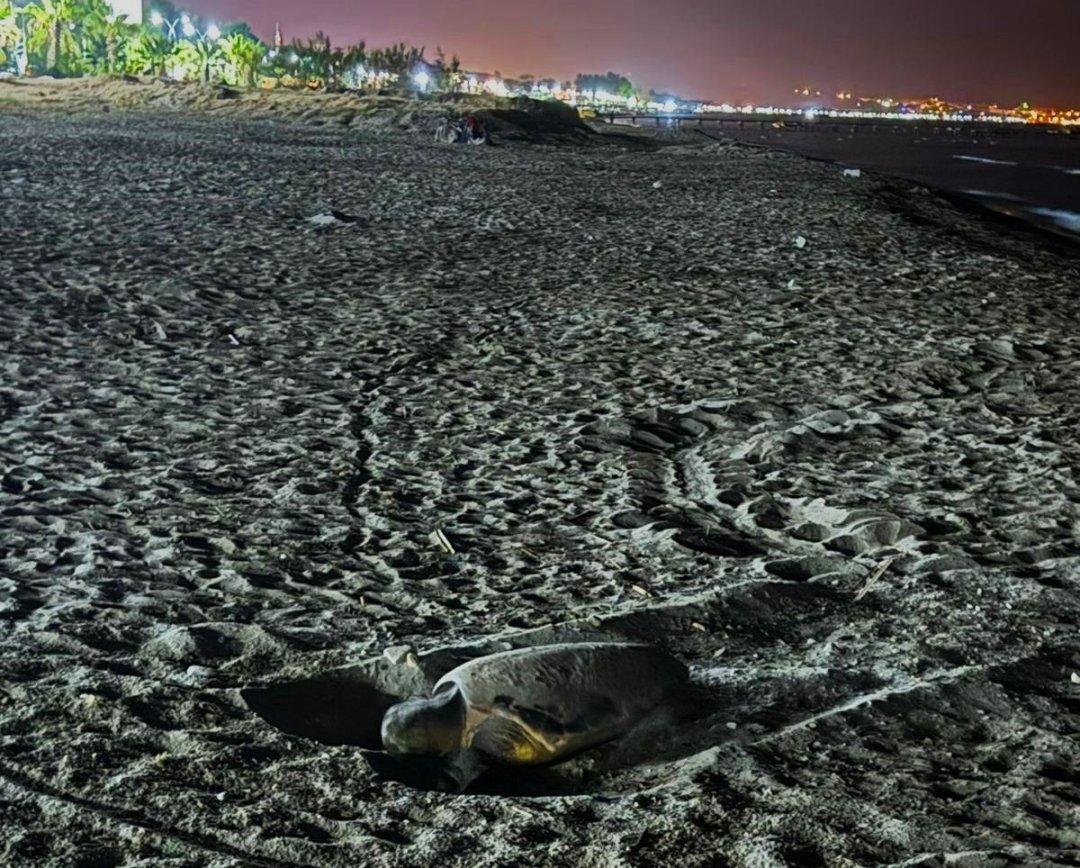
816	436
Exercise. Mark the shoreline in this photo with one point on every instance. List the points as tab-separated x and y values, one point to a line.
1014	188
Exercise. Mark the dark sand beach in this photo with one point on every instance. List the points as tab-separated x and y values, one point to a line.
816	436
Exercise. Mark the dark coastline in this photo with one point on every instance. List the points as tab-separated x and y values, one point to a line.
1010	177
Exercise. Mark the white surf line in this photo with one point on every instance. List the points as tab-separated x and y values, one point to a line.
1065	219
986	160
990	194
947	677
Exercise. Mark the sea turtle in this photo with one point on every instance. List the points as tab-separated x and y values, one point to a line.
534	705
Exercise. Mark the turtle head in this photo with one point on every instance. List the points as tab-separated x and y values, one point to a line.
428	727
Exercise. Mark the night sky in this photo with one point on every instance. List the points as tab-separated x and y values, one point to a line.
748	50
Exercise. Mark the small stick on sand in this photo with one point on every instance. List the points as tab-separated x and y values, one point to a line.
440	540
873	580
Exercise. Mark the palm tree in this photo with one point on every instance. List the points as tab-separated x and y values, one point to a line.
336	69
52	23
304	59
202	56
353	62
454	75
117	37
394	63
401	59
376	66
322	59
245	55
318	61
103	36
10	35
149	51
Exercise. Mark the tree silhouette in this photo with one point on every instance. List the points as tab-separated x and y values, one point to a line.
149	51
245	55
610	82
50	31
10	35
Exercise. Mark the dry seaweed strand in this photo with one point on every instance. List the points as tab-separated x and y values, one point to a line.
874	577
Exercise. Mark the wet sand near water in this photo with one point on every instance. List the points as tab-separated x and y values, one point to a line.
1031	175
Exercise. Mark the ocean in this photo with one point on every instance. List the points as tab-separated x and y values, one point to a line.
1027	173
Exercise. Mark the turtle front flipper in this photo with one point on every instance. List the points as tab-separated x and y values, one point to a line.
462	769
512	740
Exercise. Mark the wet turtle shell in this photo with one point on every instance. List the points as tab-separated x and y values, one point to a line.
535	705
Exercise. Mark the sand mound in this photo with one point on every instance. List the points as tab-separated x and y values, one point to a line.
517	120
521	119
106	93
536	122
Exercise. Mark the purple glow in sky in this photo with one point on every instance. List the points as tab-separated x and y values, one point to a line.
977	50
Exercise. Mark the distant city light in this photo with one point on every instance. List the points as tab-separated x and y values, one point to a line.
670	106
422	79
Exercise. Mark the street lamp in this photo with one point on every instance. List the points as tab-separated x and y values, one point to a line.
190	31
183	23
